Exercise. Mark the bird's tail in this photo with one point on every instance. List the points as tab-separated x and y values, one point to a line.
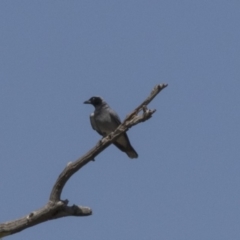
131	152
124	145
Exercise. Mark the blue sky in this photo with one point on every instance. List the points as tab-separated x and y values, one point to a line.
55	55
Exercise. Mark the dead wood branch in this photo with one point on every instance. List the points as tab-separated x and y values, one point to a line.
57	208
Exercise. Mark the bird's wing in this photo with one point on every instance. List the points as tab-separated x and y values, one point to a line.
94	125
122	141
114	117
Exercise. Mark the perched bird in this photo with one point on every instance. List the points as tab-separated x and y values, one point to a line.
105	120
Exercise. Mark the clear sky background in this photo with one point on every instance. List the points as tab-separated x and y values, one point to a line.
54	55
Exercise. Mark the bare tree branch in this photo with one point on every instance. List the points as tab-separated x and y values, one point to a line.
57	208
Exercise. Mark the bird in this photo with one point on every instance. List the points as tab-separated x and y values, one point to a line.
105	120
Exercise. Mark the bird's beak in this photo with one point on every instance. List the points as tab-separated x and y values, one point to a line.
87	102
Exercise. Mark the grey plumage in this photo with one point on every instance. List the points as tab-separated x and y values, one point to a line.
105	120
